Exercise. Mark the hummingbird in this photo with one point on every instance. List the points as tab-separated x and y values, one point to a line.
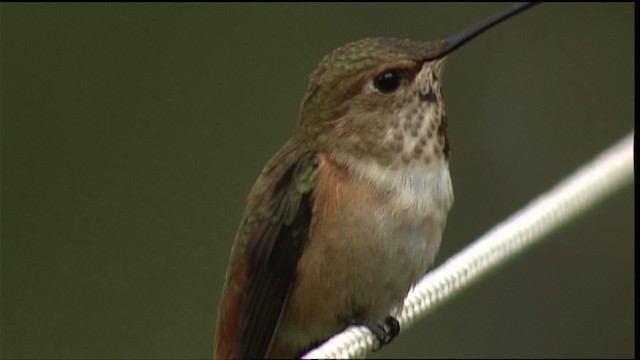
348	215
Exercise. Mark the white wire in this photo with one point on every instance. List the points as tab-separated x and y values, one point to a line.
608	172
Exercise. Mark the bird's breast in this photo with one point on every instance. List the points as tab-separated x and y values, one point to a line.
374	233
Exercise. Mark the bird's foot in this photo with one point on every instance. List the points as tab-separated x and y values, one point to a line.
385	332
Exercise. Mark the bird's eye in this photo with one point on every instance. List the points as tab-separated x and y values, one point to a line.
387	81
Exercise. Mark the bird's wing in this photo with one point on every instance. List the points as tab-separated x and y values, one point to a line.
263	260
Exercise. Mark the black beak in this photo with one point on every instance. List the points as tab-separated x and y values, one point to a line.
454	42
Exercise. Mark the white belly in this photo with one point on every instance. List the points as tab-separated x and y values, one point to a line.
408	228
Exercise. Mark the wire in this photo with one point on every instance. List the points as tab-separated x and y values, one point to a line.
609	171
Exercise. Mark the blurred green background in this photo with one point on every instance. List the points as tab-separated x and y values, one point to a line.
132	133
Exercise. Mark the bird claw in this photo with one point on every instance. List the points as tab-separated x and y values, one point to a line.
384	333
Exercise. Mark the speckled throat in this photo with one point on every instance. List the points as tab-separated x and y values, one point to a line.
419	129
